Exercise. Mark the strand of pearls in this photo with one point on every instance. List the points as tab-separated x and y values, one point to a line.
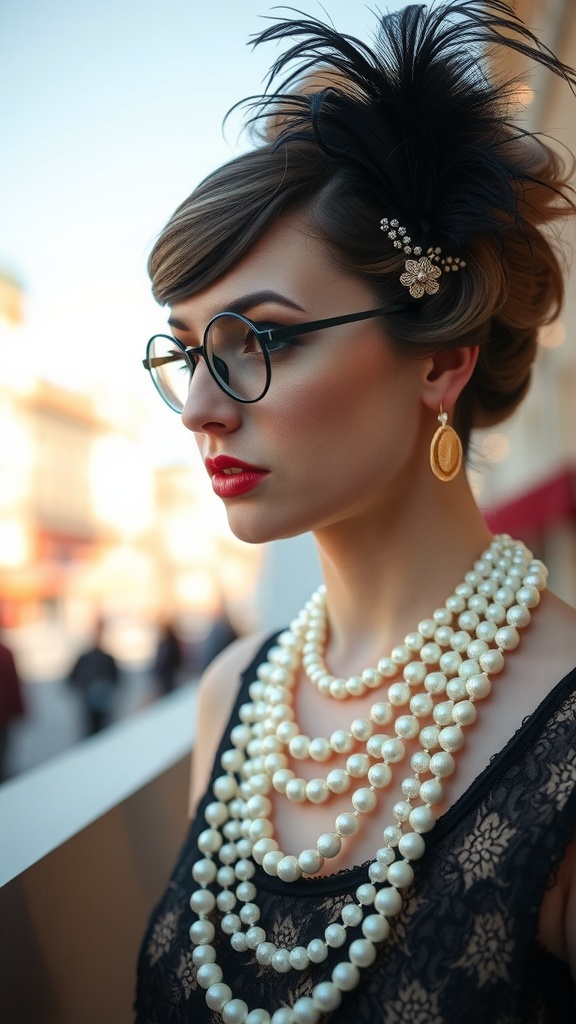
496	599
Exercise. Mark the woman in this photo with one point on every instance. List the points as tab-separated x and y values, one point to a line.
385	793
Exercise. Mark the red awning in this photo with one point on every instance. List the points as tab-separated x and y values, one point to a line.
546	505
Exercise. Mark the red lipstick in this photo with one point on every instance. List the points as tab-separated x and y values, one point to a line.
232	477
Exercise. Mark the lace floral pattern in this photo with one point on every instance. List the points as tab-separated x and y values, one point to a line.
464	945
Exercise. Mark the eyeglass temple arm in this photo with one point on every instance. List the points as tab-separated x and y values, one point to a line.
333	321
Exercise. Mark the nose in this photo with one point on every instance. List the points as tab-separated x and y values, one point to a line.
208	409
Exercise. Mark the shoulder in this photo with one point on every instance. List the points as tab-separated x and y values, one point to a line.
217	692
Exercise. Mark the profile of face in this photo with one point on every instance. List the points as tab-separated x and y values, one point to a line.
338	437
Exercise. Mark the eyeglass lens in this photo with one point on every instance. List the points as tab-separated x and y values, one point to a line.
233	354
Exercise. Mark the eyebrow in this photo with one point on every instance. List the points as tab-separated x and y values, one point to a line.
244	303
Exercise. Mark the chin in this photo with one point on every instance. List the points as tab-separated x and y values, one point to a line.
255	530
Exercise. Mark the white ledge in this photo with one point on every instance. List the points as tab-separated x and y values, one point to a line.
43	808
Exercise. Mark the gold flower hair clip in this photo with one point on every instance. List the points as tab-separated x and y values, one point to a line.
420	275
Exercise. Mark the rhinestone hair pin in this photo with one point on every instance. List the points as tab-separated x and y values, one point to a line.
420	275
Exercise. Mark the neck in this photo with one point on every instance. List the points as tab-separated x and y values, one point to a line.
386	572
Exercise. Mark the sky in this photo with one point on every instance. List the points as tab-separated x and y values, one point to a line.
110	113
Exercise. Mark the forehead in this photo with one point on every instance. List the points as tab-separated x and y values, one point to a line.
292	262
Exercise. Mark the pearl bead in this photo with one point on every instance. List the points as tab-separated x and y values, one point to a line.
362	729
456	689
202	932
254	936
410	787
411	846
235	1012
431	653
218	995
203	955
230	923
329	844
450	662
317	951
388	902
362	952
305	1011
464	713
225	876
264	953
399	693
381	713
258	1016
400	655
357	765
345	976
478	686
414	673
299	746
442	616
204	871
400	874
260	828
379	775
326	996
429	737
422	819
507	638
528	596
347	824
351	915
238	942
202	901
320	749
392	751
495	613
310	861
262	847
283	1016
402	810
486	631
385	855
451	738
375	928
364	800
420	761
299	958
288	869
492	661
374	745
335	935
338	781
421	705
406	727
281	778
372	678
413	641
387	668
518	616
338	689
435	682
209	841
470	667
427	627
296	790
281	961
366	894
317	791
442	764
341	741
431	792
208	974
443	713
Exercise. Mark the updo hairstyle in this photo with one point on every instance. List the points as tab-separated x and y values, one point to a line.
416	131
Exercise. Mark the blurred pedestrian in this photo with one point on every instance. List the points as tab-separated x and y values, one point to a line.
168	659
11	702
95	676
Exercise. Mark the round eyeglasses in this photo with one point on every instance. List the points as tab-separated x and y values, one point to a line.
236	351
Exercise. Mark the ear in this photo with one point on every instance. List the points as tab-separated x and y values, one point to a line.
447	373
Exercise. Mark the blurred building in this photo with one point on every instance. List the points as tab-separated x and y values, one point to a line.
524	472
89	526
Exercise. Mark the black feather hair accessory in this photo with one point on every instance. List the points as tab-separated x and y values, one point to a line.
417	117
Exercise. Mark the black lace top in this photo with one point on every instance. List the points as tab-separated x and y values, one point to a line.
463	948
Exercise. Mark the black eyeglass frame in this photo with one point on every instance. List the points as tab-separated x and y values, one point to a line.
262	336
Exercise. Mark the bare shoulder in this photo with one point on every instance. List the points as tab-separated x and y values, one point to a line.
217	692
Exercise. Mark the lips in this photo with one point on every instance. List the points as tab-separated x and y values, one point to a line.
233	477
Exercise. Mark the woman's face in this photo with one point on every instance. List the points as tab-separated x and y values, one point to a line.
335	439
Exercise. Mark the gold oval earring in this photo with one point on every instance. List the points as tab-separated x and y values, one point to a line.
445	450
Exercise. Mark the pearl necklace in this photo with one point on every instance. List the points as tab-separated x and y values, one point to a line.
494	602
